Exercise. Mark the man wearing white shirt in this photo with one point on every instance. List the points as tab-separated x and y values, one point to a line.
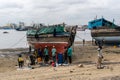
100	57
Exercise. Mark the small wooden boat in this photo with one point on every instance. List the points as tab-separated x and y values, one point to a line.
5	32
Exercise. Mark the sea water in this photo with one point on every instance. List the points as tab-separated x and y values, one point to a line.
13	39
86	35
17	39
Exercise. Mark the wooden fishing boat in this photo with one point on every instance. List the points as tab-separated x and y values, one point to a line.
60	36
108	35
104	30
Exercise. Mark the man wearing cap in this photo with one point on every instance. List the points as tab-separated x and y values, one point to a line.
46	54
54	53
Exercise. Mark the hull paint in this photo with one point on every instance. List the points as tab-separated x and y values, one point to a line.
60	47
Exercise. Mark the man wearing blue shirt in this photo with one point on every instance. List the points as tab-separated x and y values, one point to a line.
54	54
69	53
46	54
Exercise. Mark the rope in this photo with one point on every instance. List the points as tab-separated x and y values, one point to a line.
18	41
25	36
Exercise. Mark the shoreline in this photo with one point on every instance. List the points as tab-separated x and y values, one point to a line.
14	49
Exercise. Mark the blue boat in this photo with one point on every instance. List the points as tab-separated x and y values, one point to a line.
98	23
102	29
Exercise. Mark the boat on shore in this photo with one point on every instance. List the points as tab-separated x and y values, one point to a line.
103	30
60	36
5	32
107	35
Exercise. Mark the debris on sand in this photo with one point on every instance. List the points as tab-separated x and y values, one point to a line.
71	71
80	66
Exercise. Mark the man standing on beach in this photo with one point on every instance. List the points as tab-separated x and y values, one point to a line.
40	55
83	42
32	59
65	55
100	57
54	54
46	55
69	53
20	61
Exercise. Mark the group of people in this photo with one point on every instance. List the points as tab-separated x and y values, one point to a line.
42	56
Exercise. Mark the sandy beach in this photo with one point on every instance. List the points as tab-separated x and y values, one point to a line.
84	55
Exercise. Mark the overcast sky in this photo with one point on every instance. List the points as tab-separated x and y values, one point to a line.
58	11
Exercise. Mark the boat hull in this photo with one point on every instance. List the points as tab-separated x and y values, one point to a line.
108	35
108	38
59	42
60	46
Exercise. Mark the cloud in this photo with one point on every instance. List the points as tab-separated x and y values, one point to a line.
73	2
57	11
11	5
